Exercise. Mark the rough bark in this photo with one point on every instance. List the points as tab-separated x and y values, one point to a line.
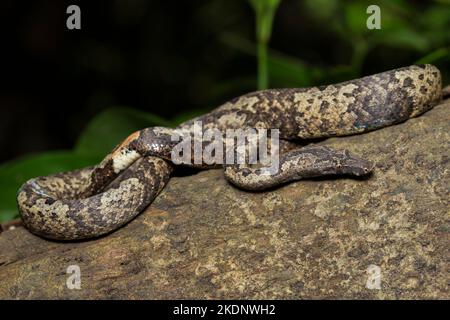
203	238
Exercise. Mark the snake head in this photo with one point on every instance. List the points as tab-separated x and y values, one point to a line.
154	141
350	164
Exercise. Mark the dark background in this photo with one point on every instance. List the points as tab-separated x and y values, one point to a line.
169	57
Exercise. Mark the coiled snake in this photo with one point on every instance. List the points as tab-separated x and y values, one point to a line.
94	201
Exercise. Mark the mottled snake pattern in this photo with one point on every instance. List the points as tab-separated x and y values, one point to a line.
94	201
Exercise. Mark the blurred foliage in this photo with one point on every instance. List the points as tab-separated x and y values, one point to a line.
403	26
411	28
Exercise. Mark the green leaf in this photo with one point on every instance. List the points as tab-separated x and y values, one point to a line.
436	18
403	38
288	72
434	56
355	18
113	125
322	9
436	23
14	173
182	117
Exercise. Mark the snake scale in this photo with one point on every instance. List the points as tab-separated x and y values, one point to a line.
94	201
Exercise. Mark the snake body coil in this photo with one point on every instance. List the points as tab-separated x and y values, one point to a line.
94	201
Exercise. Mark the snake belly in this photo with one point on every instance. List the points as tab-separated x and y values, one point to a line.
91	202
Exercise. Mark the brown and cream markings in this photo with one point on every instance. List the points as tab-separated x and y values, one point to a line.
94	201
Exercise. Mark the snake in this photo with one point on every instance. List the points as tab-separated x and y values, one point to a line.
97	200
